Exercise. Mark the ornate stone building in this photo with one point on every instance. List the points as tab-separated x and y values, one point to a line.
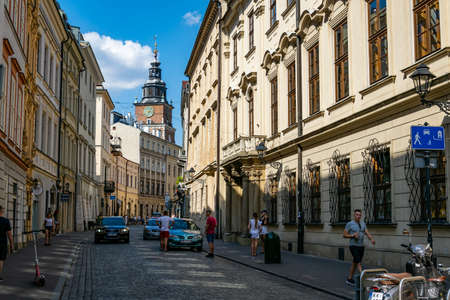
324	89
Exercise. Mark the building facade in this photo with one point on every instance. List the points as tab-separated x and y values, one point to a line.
13	177
201	131
88	198
327	92
47	74
103	156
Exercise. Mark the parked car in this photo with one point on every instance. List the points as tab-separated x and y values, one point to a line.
151	230
112	229
185	234
156	215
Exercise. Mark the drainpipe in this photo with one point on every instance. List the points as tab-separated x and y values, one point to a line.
300	222
187	153
219	92
58	169
77	174
126	188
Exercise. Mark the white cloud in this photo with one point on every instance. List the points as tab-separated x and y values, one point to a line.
124	64
192	17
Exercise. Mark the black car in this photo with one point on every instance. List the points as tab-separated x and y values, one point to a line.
112	229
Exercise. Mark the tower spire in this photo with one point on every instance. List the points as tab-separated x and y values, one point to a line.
155	50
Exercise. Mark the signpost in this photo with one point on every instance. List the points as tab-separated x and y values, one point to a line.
112	197
65	196
426	141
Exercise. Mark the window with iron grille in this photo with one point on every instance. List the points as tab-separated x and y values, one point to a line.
341	60
274	105
235	124
273	211
427	24
314	82
377	183
291	95
251	31
292	200
378	44
251	129
339	180
416	179
311	193
273	12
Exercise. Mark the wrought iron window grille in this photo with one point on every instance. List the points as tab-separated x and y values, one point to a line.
311	193
377	183
415	179
271	196
288	198
340	188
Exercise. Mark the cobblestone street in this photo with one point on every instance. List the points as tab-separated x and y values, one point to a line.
140	271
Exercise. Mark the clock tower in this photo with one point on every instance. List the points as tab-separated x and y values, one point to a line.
153	112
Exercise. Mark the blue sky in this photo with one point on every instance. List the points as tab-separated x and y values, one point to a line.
122	36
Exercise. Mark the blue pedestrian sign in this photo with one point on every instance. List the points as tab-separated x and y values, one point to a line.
427	138
112	197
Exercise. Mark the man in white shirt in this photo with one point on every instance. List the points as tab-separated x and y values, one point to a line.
164	223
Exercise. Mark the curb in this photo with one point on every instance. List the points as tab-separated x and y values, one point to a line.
65	275
309	285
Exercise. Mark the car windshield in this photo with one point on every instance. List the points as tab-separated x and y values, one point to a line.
152	223
113	222
185	225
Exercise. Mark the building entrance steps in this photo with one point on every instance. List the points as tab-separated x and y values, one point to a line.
316	272
54	262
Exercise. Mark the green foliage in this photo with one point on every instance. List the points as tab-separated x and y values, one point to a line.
180	179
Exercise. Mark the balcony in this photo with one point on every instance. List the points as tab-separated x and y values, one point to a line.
241	148
110	187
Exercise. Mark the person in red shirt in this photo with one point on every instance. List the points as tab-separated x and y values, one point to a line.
211	224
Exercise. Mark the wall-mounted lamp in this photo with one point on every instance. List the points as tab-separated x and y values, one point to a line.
261	149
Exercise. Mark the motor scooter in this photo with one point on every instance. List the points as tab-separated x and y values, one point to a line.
39	278
422	279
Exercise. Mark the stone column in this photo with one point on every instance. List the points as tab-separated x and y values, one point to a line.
228	211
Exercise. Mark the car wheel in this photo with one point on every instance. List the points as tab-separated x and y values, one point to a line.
144	238
200	248
96	241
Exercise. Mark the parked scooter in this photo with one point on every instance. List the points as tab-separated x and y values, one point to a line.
39	278
422	280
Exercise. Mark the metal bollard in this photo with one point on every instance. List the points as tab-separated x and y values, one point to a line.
357	288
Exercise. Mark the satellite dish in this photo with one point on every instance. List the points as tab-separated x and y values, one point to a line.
37	190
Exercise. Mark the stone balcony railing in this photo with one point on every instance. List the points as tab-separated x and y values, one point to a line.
244	146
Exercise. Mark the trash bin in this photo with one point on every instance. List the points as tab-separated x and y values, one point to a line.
272	253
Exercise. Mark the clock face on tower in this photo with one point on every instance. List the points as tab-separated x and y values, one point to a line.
148	111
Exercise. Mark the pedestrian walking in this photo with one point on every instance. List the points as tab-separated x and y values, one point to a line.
164	223
48	225
264	223
5	235
254	226
210	230
355	231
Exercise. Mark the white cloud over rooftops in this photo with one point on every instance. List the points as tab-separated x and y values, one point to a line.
192	17
124	64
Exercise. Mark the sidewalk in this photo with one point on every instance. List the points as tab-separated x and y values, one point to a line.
313	271
54	262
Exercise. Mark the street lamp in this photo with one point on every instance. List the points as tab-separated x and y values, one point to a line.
261	149
423	79
191	173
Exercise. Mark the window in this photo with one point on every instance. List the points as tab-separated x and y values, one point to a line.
273	12
314	82
251	121
339	183
43	132
49	137
50	77
291	95
427	22
377	183
315	194
437	192
378	45
292	199
251	31
235	52
273	211
46	64
341	60
274	105
235	124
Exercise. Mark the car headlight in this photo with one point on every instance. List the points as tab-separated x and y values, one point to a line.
197	237
124	230
99	230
